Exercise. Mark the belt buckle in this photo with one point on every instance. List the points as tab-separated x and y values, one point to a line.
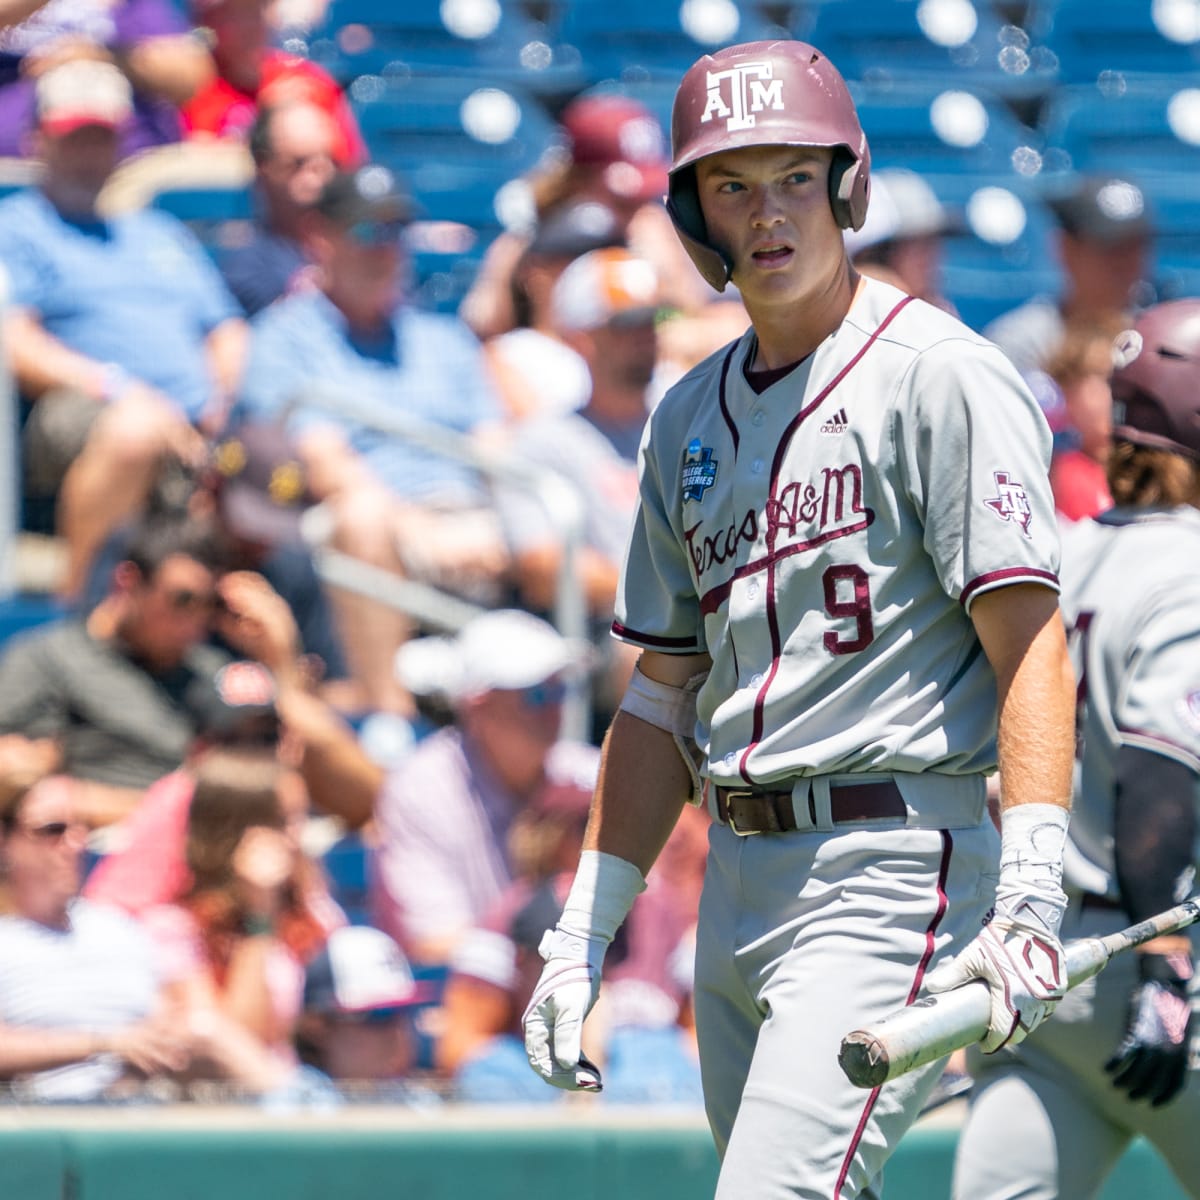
731	819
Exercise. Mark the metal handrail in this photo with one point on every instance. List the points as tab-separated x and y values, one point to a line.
562	502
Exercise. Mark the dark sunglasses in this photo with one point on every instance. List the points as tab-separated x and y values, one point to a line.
542	695
376	233
186	600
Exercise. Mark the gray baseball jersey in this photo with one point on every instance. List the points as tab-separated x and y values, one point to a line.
1132	605
1131	599
823	541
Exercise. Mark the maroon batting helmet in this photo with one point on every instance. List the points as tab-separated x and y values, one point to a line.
762	94
1156	379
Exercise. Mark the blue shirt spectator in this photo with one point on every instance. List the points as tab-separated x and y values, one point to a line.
136	290
428	364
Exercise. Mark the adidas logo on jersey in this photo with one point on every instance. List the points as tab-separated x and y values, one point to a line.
837	423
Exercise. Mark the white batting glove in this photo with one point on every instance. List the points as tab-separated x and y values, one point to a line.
553	1020
600	898
1018	953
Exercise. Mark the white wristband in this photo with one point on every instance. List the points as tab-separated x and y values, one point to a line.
1032	837
601	895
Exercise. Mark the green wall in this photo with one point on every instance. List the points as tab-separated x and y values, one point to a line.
133	1155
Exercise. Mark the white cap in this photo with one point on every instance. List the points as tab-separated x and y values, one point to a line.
603	285
358	969
507	649
902	205
82	92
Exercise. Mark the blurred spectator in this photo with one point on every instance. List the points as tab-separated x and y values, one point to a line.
356	1025
253	73
438	868
901	240
1104	241
292	147
235	942
638	1030
604	308
148	39
125	690
616	156
1079	468
536	371
121	332
319	751
391	504
255	490
81	1005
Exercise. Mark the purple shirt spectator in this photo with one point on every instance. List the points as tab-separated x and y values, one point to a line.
125	23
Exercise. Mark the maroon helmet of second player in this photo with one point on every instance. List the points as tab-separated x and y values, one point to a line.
762	94
1156	379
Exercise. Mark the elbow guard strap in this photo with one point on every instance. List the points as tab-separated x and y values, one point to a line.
672	709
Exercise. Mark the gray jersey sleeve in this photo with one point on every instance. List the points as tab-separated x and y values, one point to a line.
974	452
657	606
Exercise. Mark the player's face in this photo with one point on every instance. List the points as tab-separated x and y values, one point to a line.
768	208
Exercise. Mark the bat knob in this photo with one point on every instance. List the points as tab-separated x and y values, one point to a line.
863	1059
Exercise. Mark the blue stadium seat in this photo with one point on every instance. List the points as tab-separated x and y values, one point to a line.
493	39
633	39
943	128
957	41
1145	127
21	612
439	133
1091	37
1001	255
345	864
207	211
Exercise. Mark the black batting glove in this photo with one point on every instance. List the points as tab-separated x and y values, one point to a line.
1151	1061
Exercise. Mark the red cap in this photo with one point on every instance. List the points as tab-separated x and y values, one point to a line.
623	137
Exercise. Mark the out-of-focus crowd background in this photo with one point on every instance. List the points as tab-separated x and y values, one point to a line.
330	330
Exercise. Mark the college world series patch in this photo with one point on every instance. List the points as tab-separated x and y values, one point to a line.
699	470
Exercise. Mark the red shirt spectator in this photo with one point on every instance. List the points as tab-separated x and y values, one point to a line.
252	72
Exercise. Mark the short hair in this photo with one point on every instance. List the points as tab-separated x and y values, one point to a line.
161	536
258	140
1146	477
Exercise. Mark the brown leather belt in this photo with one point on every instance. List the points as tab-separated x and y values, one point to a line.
751	810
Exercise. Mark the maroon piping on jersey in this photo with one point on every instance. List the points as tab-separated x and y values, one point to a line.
943	903
1008	573
772	502
734	436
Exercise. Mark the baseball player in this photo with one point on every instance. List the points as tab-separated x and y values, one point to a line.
1052	1118
844	561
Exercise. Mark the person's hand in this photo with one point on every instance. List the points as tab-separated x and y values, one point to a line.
1023	965
258	622
151	1047
1151	1061
24	760
262	864
553	1020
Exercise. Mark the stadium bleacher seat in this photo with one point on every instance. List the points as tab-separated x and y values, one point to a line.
1147	126
1089	38
942	128
1000	254
632	39
345	864
493	39
957	41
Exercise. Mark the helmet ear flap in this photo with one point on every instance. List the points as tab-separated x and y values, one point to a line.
683	207
848	190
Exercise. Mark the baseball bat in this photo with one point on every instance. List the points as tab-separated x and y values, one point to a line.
935	1026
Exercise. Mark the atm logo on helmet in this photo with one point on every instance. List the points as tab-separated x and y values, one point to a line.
751	90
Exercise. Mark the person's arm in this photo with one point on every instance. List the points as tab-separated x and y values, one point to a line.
1018	954
174	66
97	804
41	361
226	346
13	12
643	785
1023	636
149	1046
